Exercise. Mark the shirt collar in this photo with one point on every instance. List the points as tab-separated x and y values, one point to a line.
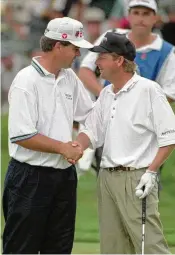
39	68
135	78
155	45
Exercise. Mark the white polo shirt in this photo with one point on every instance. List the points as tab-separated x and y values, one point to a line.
131	124
166	76
39	103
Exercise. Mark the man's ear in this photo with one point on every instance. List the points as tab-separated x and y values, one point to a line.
57	45
119	61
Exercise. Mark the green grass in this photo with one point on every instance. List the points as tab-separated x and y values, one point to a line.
87	234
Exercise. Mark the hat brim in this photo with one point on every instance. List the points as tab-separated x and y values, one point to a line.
82	44
99	49
143	5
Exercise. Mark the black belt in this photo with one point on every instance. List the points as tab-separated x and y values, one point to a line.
119	168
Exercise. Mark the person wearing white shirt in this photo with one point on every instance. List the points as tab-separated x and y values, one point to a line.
135	124
155	58
39	198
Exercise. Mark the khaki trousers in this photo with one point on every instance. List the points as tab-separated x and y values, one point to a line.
120	215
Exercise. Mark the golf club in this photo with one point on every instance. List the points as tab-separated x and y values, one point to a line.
143	223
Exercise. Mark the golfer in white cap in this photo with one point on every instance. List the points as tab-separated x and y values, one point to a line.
39	199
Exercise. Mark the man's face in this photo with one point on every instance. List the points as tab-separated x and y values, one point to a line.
107	65
94	29
68	55
7	62
141	20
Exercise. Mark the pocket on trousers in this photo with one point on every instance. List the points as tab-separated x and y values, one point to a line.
9	174
25	181
153	196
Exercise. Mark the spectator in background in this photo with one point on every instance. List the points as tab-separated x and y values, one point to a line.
7	76
15	36
18	16
93	18
11	63
119	14
105	5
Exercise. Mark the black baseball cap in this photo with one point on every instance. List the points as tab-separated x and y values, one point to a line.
118	43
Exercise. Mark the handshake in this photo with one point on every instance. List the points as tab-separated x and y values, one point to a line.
71	151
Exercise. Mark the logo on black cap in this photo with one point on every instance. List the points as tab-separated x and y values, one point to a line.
104	40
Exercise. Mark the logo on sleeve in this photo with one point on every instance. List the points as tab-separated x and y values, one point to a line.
168	132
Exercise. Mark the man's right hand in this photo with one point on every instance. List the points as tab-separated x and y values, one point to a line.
71	152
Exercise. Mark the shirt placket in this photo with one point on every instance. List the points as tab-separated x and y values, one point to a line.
54	97
114	105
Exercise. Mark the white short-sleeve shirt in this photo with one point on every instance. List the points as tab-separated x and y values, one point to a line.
166	76
131	124
39	103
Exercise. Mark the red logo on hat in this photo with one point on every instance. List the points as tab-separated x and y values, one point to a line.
78	34
64	36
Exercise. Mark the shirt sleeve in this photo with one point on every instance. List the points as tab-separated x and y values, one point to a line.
93	127
166	79
163	121
22	115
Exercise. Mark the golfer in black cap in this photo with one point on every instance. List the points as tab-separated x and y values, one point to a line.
134	122
116	43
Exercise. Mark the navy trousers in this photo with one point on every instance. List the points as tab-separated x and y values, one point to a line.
39	205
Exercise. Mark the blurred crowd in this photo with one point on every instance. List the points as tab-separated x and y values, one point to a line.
24	22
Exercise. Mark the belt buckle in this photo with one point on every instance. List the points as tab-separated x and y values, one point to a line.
120	170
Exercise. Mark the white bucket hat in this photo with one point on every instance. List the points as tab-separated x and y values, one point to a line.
67	29
151	4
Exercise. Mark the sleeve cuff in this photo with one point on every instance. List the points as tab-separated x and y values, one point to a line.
92	67
166	143
171	96
22	137
90	135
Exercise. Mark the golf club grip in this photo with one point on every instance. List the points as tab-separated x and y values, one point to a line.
143	210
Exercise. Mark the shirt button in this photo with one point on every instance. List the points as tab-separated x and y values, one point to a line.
112	117
113	108
115	98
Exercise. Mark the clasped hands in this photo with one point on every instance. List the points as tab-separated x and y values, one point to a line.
72	151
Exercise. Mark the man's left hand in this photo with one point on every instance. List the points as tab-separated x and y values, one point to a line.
148	180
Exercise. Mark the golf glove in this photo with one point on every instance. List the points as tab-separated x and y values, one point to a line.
147	181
